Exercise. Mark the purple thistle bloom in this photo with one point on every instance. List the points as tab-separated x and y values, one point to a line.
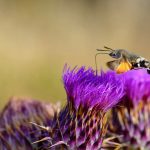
137	83
82	123
131	123
16	131
85	88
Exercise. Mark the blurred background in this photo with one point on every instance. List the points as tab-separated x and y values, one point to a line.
37	37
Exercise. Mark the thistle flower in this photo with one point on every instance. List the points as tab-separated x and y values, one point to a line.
16	131
131	122
81	125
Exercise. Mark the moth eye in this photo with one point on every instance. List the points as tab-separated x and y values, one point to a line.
112	54
115	55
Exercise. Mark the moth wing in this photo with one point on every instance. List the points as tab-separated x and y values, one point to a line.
113	64
119	66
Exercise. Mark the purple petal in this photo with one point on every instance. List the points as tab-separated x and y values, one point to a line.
137	83
16	130
85	88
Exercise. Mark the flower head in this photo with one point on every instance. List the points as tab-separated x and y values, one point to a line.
16	131
85	88
82	122
131	122
137	83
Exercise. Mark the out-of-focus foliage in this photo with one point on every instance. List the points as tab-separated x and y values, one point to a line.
38	37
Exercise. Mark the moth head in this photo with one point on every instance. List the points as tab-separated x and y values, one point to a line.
115	54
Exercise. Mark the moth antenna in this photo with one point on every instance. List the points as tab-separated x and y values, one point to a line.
108	48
